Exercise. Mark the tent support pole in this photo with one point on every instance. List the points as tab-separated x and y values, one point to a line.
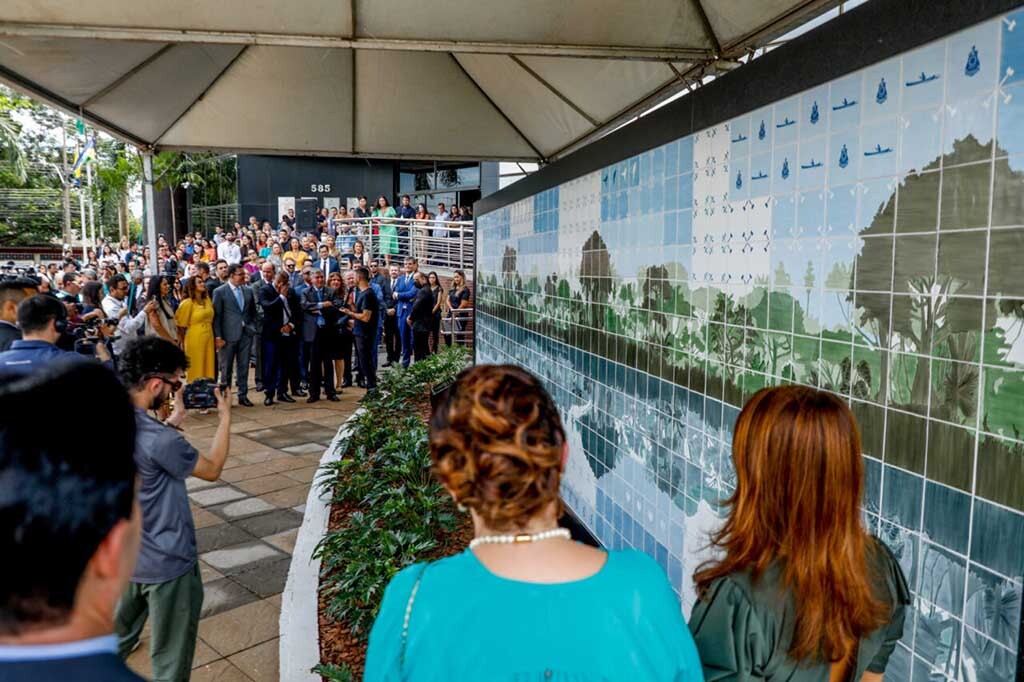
147	206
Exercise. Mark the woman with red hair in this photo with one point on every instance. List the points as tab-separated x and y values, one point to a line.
800	591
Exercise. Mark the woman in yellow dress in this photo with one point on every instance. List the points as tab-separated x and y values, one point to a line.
195	329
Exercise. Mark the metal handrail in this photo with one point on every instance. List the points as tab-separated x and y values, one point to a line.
446	244
458	324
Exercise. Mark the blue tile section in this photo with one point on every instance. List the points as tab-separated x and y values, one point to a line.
833	239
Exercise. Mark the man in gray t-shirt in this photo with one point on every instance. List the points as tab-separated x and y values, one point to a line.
164	460
166	586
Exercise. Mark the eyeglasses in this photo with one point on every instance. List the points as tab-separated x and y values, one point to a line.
175	384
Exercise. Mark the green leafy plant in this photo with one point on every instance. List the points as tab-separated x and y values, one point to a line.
337	673
400	514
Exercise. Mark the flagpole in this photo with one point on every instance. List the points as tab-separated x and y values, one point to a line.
92	214
81	213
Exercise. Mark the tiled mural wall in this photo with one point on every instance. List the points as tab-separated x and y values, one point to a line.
866	237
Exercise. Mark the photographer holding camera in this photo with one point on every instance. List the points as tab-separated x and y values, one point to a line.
43	319
166	584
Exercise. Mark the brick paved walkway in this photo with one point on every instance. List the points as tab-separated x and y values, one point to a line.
246	524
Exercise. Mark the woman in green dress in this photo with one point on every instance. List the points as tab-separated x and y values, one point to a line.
387	239
800	591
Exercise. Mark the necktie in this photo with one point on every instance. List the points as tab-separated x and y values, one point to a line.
323	266
238	297
320	318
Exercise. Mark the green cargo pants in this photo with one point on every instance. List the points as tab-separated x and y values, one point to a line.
174	607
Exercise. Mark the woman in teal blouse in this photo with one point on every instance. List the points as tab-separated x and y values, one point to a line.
800	591
524	602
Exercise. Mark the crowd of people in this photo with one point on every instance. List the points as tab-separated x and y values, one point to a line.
100	544
309	309
797	589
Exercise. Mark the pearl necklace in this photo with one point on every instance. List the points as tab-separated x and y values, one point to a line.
520	538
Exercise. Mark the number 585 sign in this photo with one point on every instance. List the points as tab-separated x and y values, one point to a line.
320	188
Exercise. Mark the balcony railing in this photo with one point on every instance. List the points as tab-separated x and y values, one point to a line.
447	244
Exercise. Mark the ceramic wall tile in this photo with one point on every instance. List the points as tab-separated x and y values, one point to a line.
972	60
920	140
924	77
814	112
965	196
881	91
879	148
967	129
845	98
918	205
855	237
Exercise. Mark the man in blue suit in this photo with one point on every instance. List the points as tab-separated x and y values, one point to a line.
69	525
325	263
43	319
404	293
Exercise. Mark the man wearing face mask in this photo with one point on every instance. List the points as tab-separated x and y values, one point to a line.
166	586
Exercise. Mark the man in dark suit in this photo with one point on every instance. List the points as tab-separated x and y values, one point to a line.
403	294
282	325
256	281
392	340
421	314
294	274
325	263
234	326
220	277
13	292
68	525
319	331
377	276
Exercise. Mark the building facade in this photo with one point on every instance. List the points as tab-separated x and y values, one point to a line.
237	187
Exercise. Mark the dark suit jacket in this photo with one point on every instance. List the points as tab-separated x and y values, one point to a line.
332	264
256	283
422	310
8	335
229	323
273	312
212	283
385	288
311	304
93	668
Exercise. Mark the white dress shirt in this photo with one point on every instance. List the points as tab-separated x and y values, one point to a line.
229	252
127	326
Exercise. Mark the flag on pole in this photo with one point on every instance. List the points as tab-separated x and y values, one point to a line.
87	155
79	126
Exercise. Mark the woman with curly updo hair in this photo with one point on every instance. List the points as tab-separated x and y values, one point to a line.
524	601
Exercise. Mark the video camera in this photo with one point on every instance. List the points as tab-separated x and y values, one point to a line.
86	335
11	271
199	394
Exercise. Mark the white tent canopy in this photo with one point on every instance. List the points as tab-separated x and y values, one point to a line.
467	79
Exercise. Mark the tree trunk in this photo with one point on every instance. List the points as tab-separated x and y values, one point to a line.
122	217
174	219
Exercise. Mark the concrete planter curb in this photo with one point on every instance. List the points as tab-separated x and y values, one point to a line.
299	646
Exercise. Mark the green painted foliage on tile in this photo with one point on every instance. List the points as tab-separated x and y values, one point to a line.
912	339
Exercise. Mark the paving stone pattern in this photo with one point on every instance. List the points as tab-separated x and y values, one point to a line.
246	525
